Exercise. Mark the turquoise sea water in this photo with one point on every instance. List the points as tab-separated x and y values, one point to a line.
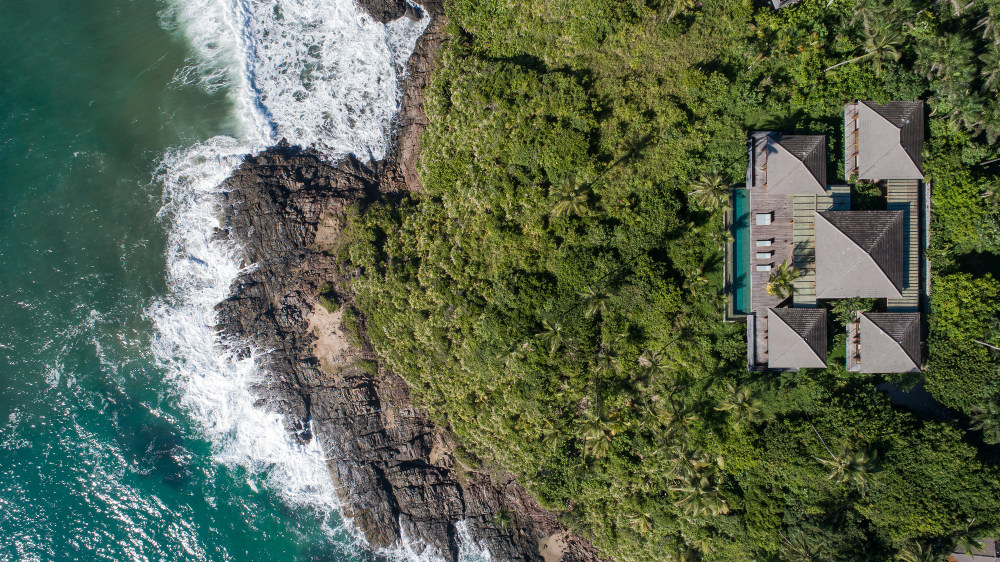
108	448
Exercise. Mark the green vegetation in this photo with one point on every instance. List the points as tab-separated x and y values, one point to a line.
782	279
553	295
328	298
349	322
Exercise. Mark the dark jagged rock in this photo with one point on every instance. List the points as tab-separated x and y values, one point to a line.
397	472
384	11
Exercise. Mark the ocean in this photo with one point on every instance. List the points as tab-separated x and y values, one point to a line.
124	433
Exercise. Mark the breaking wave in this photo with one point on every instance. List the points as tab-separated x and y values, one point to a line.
321	74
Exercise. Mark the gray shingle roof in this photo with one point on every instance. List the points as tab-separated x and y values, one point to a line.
859	254
987	554
890	342
890	140
796	338
796	164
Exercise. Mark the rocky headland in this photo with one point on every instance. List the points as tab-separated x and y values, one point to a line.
397	472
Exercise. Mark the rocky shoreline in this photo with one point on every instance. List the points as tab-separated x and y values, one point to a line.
398	473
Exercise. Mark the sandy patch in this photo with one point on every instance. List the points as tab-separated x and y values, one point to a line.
330	347
553	547
328	234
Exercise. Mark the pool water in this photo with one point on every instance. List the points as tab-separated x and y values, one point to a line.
740	288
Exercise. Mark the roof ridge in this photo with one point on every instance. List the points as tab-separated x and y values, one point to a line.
879	236
815	143
813	322
912	318
878	240
911	108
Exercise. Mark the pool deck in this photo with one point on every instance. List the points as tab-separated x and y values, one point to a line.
904	195
838	198
781	235
793	237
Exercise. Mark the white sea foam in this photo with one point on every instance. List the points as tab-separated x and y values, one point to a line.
319	73
214	386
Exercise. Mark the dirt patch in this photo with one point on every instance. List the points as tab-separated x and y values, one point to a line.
328	234
330	347
553	547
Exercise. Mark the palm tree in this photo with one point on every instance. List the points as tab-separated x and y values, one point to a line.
880	45
710	192
850	465
960	6
782	281
741	402
914	551
652	364
694	279
676	6
803	547
596	302
968	542
968	111
990	71
551	335
682	553
572	198
596	431
692	467
946	58
698	501
991	30
517	352
607	361
986	418
552	435
991	195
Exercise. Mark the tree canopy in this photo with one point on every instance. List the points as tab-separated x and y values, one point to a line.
554	295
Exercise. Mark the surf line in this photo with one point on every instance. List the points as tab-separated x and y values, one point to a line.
321	74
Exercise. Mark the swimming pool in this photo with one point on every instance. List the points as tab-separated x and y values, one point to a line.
740	281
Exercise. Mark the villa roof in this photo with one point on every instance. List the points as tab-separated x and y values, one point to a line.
796	164
796	338
986	554
859	254
890	140
890	342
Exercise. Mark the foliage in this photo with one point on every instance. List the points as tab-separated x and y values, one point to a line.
553	295
780	283
962	372
844	309
328	298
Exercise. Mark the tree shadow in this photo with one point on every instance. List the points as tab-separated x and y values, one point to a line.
979	264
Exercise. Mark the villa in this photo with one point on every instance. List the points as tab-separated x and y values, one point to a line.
788	215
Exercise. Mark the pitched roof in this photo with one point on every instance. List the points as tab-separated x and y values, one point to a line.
796	164
890	342
890	140
796	338
859	254
987	554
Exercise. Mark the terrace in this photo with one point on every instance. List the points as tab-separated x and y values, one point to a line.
787	214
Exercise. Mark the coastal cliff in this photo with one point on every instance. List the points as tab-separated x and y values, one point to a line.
398	473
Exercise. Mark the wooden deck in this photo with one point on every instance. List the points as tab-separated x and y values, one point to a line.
904	195
780	233
804	238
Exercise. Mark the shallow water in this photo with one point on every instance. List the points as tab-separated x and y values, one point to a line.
124	434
